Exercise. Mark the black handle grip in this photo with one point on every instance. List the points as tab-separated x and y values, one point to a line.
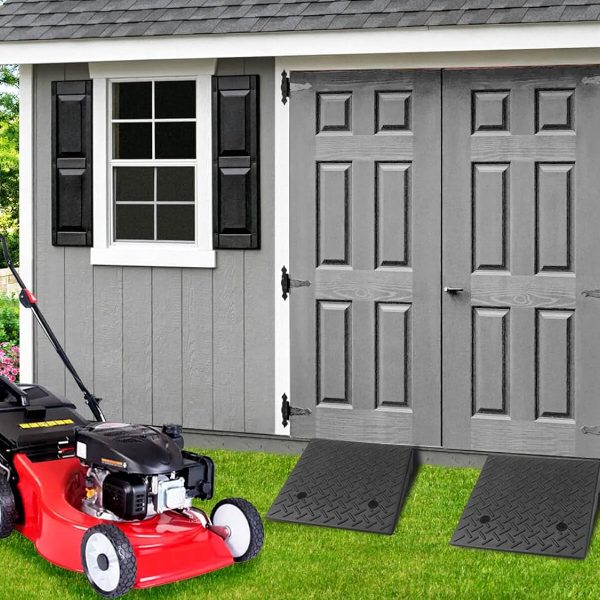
8	387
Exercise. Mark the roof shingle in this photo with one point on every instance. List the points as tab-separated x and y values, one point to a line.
63	19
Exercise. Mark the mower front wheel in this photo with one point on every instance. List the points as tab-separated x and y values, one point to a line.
246	532
8	508
108	560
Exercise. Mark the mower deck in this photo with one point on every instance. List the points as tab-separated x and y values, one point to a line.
169	547
532	504
348	485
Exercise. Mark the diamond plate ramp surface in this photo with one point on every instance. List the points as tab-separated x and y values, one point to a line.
535	505
348	485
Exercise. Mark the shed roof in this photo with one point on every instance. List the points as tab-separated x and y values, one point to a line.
69	19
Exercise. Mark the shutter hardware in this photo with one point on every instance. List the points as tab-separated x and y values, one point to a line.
285	87
287	284
288	411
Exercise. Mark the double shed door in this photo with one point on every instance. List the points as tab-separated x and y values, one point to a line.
407	182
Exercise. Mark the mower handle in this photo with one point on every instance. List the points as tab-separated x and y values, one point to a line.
28	300
8	387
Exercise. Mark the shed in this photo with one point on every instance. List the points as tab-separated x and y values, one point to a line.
425	170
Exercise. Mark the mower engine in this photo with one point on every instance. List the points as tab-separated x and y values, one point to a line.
137	471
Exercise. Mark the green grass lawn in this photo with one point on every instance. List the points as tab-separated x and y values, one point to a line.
312	562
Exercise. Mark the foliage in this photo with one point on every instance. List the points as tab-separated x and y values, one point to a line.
9	158
9	361
9	320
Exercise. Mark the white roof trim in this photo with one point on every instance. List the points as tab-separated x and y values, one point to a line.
313	43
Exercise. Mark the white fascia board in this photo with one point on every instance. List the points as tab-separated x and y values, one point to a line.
472	38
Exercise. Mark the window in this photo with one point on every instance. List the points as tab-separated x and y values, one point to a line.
154	160
153	163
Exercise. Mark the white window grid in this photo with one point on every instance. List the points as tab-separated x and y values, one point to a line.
150	162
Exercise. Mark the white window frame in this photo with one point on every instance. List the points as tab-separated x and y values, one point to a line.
106	250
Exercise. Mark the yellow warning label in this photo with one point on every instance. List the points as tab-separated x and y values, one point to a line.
39	424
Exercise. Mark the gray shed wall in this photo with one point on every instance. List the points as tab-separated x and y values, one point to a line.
160	344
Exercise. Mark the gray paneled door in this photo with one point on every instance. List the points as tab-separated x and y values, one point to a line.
403	183
365	229
521	201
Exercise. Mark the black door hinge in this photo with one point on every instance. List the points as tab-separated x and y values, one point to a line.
287	284
288	411
285	87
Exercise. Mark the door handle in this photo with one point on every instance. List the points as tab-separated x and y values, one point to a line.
453	290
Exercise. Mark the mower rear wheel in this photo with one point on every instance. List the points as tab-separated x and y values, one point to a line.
8	508
108	560
246	532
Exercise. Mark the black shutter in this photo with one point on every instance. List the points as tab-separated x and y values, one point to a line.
72	163
236	199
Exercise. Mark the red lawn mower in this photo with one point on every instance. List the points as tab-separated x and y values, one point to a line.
111	500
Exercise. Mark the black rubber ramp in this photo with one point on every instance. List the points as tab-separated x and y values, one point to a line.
348	485
536	505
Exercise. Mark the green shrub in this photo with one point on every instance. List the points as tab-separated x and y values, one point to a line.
9	320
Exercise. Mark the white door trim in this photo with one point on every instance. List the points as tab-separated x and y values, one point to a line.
26	227
282	248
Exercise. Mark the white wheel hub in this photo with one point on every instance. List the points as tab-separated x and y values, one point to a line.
230	516
102	562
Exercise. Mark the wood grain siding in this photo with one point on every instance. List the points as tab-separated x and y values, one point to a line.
387	426
523	291
520	437
108	339
137	344
167	363
179	345
228	325
365	147
197	344
79	322
522	148
380	286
